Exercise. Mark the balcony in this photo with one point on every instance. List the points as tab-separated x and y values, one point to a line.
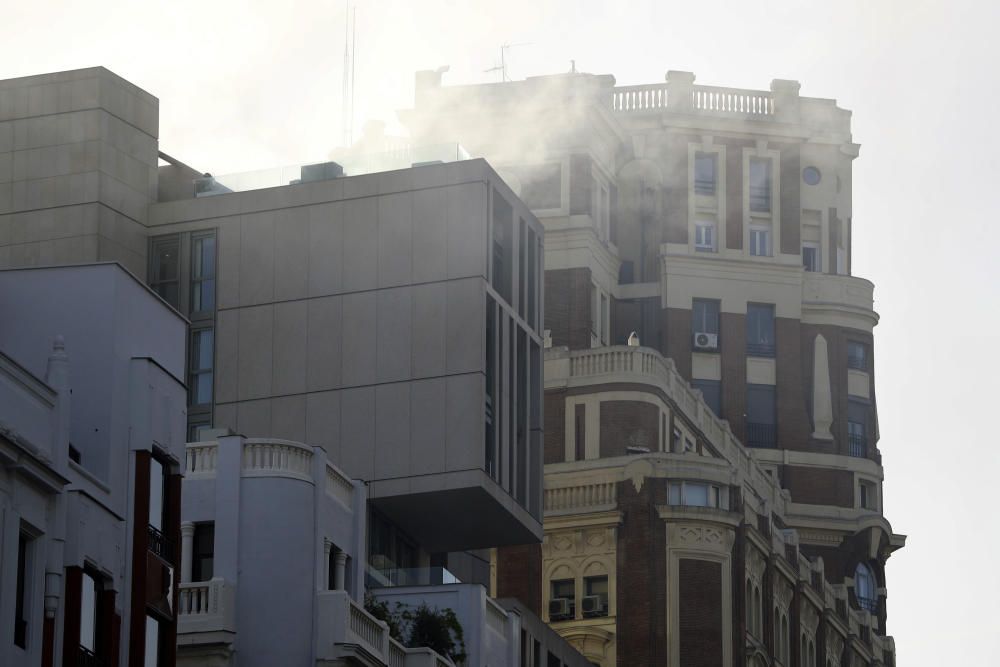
762	435
858	445
87	658
348	632
206	606
160	545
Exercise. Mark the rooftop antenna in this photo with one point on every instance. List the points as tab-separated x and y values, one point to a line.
502	67
347	86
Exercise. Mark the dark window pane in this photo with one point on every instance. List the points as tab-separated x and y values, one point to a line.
21	602
711	390
704	173
760	330
165	260
810	258
704	316
203	264
203	552
761	430
857	354
760	184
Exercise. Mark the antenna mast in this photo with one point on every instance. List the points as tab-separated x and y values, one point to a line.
347	83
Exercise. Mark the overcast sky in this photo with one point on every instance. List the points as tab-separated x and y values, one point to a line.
245	85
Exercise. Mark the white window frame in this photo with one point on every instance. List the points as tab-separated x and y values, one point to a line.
702	208
819	256
703	224
756	232
761	220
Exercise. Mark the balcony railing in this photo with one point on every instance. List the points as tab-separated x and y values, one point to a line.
87	658
160	544
858	445
761	435
760	349
206	606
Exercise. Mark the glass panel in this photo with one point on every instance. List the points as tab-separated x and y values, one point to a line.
704	174
705	316
204	552
169	292
156	494
165	264
203	262
152	642
88	612
760	329
810	258
202	389
675	494
202	350
696	495
760	184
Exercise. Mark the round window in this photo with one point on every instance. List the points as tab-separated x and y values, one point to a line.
811	175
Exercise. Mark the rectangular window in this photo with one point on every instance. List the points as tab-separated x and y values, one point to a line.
704	173
203	273
157	486
562	602
22	606
760	240
705	320
761	415
711	391
760	330
152	654
868	496
857	432
503	247
200	371
760	185
810	258
857	355
704	235
595	600
605	319
203	552
88	613
164	269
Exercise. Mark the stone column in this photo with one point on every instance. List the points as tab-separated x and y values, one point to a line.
340	561
327	549
187	551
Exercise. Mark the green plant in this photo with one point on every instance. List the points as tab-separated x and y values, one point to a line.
380	610
436	629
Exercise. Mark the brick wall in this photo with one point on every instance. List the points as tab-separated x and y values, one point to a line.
732	344
519	575
641	576
677	339
628	424
791	395
700	621
791	201
567	307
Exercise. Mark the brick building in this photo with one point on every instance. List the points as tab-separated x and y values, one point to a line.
712	480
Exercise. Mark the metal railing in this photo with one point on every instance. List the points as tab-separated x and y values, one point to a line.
761	435
160	544
87	658
858	445
760	349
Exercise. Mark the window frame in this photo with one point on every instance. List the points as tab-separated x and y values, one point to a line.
816	266
195	373
757	344
700	188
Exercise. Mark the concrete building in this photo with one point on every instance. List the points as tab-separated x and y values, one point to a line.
92	419
710	229
390	317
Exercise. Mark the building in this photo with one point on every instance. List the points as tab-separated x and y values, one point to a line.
713	484
380	318
92	419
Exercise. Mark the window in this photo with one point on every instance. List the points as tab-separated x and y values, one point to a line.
704	173
677	444
711	391
200	372
595	600
562	602
705	324
541	185
152	658
864	587
22	606
760	240
88	613
760	330
605	319
857	433
203	552
857	355
165	269
704	235
811	176
695	494
810	258
156	494
203	273
760	185
868	495
503	247
761	431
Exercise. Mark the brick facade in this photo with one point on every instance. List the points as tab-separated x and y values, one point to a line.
700	621
519	575
627	424
567	307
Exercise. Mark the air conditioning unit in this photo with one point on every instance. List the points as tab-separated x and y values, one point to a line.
706	341
558	608
593	605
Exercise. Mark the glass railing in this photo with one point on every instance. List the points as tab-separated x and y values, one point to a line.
408	576
346	164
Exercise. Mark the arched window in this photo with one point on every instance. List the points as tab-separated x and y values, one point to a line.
864	587
777	633
785	650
